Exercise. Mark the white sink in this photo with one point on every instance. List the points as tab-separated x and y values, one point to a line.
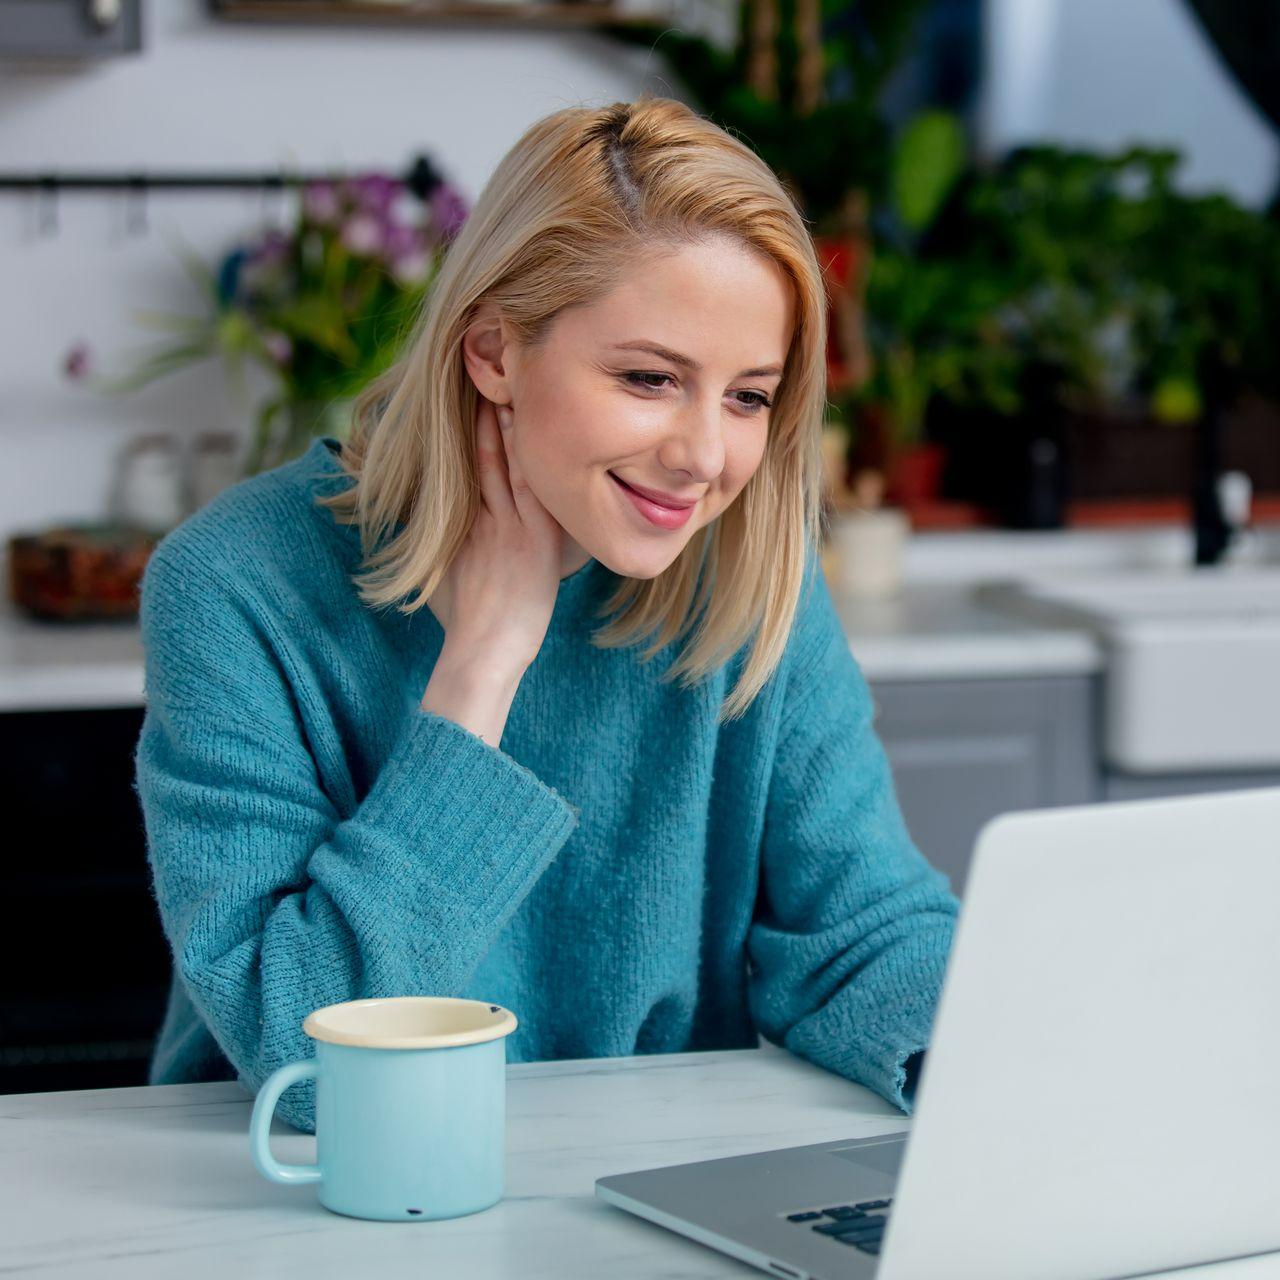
1192	678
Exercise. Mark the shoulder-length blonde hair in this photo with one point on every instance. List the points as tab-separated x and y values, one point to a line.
566	212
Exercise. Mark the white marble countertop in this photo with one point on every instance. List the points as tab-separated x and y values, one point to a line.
108	1184
939	631
52	666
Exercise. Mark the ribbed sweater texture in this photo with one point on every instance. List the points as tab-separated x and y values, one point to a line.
622	872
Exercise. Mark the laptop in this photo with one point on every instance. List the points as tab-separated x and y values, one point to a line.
1101	1097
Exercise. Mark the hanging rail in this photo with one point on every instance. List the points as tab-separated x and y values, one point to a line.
421	178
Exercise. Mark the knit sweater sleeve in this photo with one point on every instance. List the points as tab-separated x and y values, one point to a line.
853	926
274	906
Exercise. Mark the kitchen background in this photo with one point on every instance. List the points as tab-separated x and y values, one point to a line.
1050	231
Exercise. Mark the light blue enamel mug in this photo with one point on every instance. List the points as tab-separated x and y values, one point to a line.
410	1108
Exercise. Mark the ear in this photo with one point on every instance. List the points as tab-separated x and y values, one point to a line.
487	353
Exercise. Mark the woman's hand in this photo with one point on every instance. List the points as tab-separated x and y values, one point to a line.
496	598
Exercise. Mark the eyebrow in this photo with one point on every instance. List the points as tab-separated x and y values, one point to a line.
688	362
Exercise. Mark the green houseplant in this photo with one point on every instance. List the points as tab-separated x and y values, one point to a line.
1127	305
929	316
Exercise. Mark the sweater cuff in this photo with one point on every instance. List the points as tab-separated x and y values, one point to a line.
448	805
883	1053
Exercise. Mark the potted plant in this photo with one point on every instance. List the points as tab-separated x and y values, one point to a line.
1133	312
930	317
322	307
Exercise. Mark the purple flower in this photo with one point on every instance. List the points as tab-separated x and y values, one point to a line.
401	239
410	268
374	192
448	210
320	203
272	249
75	364
264	263
363	233
278	346
407	253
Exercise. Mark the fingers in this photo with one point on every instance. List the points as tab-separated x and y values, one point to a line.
515	478
495	491
526	505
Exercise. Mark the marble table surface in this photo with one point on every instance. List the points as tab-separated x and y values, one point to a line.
158	1181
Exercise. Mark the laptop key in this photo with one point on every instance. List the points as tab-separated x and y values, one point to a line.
873	1204
844	1211
868	1244
803	1217
851	1227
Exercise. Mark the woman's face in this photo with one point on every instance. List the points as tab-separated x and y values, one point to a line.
687	417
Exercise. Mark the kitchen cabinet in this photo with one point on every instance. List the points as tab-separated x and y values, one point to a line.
1122	786
84	965
69	28
963	751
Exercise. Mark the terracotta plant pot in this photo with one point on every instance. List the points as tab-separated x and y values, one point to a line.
915	474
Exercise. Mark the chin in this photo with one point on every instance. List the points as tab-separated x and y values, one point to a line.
633	563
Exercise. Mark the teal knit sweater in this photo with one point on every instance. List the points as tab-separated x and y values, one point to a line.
623	873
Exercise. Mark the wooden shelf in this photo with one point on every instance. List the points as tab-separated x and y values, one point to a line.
587	13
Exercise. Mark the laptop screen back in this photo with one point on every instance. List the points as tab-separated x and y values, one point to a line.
1100	1097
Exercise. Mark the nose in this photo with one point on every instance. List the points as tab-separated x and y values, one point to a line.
695	444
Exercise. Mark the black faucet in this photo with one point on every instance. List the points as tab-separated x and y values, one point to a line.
1213	531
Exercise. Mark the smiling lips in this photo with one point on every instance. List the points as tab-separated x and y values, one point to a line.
656	495
659	513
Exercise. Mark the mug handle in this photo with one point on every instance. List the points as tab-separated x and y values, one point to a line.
264	1107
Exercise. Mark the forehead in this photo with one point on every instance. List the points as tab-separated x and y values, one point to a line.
716	300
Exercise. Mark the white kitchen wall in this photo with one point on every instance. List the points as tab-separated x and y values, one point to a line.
1106	73
213	95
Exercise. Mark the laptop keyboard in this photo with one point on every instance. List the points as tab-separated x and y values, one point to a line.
861	1224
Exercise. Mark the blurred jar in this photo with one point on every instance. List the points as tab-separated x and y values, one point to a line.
149	488
214	466
868	550
867	541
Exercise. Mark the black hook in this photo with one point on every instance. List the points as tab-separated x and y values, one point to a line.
136	217
47	215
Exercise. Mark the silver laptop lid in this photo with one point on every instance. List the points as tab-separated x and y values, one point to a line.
1102	1094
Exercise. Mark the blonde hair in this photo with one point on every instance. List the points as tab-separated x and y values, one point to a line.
566	213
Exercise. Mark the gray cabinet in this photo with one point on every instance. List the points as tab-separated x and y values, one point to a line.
69	28
963	751
1124	786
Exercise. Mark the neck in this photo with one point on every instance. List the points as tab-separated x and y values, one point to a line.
572	557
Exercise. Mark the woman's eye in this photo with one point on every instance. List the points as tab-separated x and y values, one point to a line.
759	399
638	373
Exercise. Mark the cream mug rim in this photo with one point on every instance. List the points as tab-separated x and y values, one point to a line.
325	1024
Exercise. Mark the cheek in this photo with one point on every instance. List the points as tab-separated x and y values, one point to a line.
555	439
742	461
576	428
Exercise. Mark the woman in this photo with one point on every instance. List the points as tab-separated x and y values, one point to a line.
387	750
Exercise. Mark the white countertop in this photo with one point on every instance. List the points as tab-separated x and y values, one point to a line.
938	631
158	1181
50	666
